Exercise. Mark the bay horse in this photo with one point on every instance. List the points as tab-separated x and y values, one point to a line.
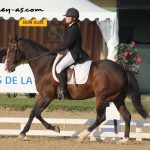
107	81
3	52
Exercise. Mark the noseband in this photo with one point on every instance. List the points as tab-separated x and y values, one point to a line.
15	62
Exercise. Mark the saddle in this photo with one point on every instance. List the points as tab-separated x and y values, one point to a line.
76	73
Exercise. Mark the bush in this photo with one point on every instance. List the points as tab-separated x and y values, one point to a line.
128	57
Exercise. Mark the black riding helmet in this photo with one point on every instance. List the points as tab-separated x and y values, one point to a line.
72	12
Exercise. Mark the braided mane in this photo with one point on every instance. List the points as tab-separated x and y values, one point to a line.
32	42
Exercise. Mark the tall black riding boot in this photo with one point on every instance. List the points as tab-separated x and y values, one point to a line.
62	94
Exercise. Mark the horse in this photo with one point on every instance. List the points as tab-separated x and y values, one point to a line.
3	52
107	82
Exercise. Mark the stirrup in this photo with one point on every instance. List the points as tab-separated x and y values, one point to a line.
62	95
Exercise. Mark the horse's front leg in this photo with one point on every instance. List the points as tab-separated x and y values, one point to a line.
40	105
28	124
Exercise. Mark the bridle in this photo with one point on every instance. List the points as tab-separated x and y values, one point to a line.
16	63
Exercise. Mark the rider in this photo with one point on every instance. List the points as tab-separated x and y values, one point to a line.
73	43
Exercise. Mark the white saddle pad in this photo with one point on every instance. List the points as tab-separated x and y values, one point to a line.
81	72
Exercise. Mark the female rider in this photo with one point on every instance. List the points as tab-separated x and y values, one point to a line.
73	43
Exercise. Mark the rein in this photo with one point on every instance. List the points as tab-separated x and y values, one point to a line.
31	59
36	57
12	44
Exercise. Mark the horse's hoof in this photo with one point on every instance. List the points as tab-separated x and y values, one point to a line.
22	136
80	139
123	141
57	129
93	139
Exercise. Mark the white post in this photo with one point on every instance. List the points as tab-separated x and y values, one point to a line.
138	130
22	126
111	114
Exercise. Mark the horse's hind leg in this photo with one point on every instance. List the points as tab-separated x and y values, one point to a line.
120	104
101	116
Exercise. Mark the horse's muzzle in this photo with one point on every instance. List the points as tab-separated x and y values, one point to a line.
10	69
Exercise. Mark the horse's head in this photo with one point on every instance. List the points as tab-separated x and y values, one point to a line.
13	57
22	49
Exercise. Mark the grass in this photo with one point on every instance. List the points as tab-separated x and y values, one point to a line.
24	103
131	108
83	105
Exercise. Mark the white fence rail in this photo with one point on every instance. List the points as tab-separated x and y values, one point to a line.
138	134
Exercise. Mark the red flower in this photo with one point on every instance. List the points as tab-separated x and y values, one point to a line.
133	69
117	57
133	43
130	53
139	59
125	53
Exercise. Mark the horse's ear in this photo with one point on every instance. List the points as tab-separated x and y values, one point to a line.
12	37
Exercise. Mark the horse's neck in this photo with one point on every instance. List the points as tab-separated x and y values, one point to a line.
39	64
38	59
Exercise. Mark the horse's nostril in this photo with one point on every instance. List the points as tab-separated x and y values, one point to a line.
5	68
12	69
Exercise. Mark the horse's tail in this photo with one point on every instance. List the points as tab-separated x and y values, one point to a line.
134	92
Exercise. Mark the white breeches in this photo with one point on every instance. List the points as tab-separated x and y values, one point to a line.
65	62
